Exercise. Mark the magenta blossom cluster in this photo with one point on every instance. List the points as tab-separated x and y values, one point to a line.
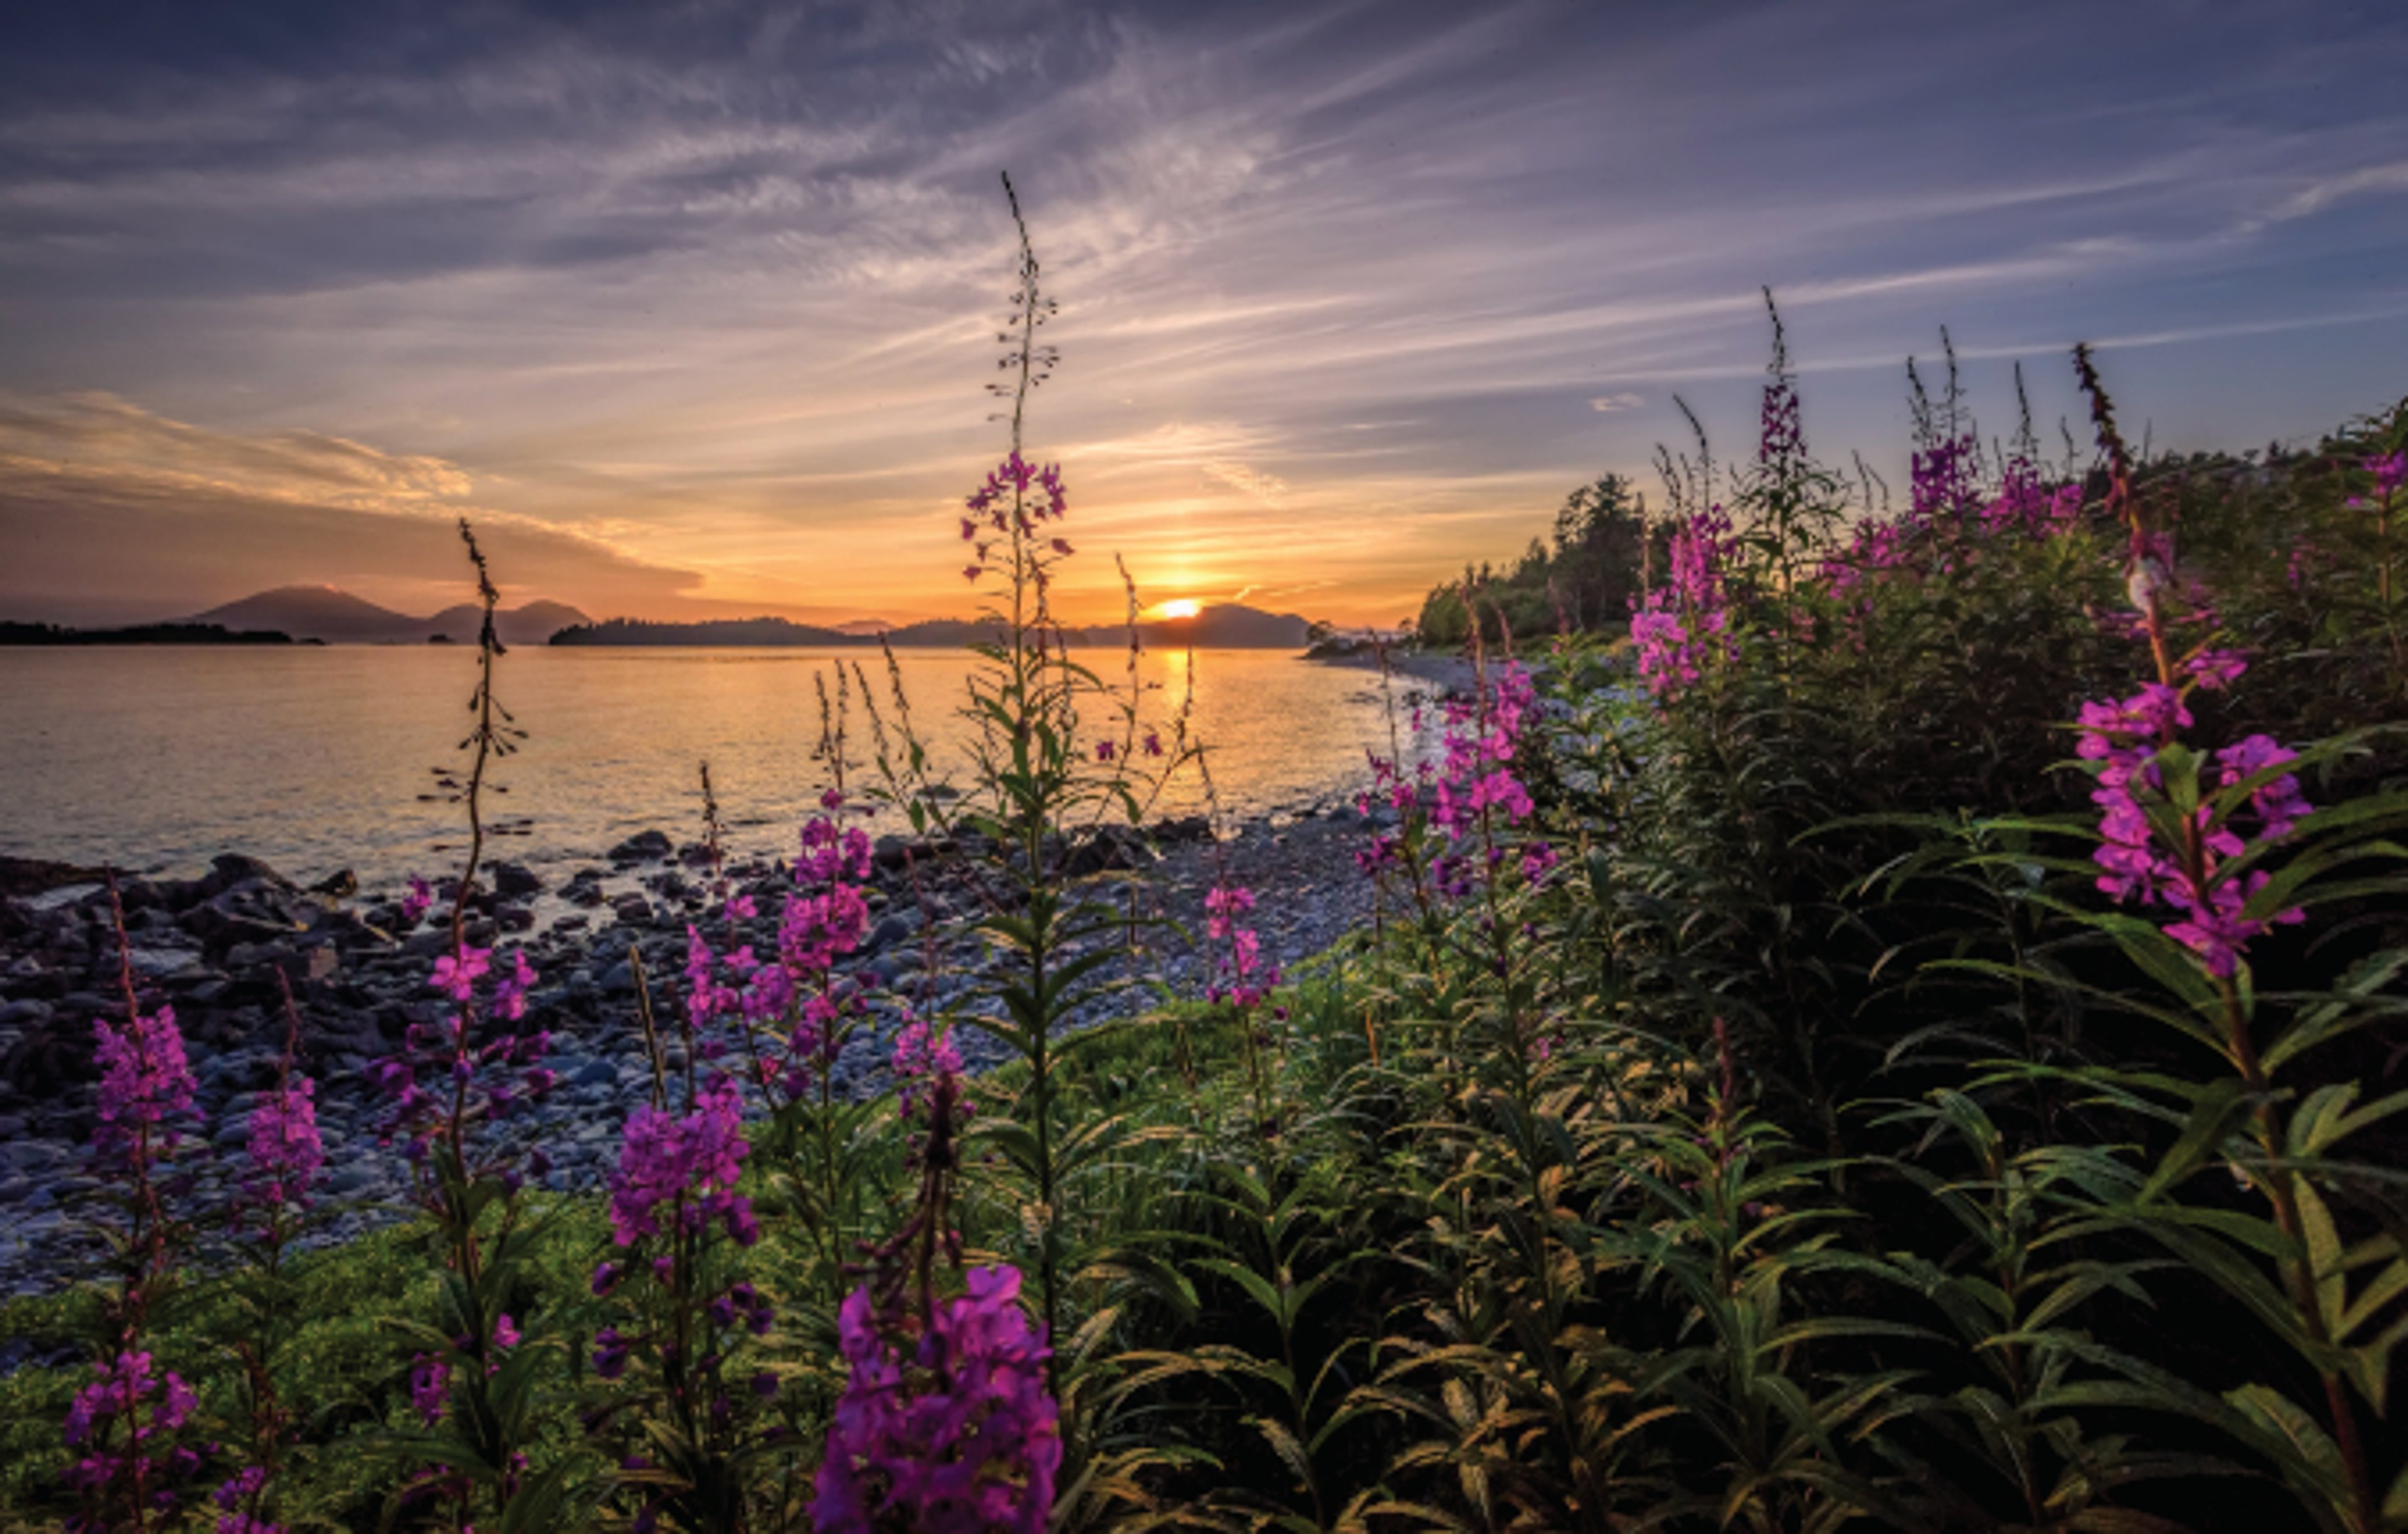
959	1434
923	1057
1477	791
2124	737
441	1071
1942	479
691	1162
1238	975
414	903
285	1150
1680	626
243	1488
145	1080
2390	471
150	1406
1017	497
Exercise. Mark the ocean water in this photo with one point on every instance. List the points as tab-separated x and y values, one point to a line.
319	759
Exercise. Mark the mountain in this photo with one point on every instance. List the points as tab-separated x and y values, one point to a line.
1227	627
337	617
724	632
534	623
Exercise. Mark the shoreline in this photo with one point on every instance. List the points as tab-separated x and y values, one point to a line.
213	948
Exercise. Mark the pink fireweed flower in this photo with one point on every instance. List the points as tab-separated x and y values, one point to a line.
456	974
2137	863
1153	743
1941	481
430	1387
1104	750
2215	669
144	1452
144	1077
414	904
921	1058
830	854
286	1152
957	1431
2390	471
2278	802
1223	904
663	1159
121	1388
815	929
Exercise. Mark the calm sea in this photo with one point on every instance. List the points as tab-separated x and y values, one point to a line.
316	759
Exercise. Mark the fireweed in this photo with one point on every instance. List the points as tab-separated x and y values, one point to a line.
284	1155
948	1418
456	1090
129	1467
1039	791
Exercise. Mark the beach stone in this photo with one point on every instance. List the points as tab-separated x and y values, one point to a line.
20	1013
512	880
632	910
644	846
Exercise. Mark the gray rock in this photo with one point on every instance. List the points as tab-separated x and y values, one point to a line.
512	880
644	846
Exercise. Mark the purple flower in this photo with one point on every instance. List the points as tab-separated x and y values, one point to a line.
1539	858
610	1353
241	1487
285	1150
1223	904
414	904
662	1158
2390	471
456	974
2140	863
923	1057
430	1385
2215	669
958	1432
144	1078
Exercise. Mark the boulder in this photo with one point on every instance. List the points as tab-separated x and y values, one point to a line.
643	847
513	880
632	910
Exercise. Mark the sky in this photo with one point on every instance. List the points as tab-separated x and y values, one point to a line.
691	308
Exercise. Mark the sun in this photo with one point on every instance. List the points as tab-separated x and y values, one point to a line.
1185	607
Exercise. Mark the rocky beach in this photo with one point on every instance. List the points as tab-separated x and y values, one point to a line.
214	948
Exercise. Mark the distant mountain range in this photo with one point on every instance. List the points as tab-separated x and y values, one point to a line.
326	615
337	617
1227	627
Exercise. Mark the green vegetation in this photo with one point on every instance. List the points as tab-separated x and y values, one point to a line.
1587	578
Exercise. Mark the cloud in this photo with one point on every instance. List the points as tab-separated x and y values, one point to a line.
112	513
706	298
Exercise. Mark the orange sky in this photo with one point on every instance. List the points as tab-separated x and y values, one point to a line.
695	320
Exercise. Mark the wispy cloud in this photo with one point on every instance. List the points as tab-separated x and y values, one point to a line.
1352	292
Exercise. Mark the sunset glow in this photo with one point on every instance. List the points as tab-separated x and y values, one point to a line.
1185	607
626	295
